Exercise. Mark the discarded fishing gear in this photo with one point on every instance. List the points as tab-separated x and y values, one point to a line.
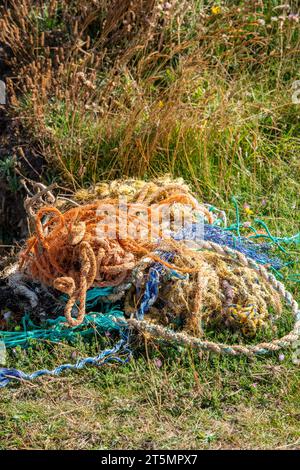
99	244
181	338
163	279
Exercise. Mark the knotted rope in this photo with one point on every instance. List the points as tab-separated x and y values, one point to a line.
169	291
158	331
68	253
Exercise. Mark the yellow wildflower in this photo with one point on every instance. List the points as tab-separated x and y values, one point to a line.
216	10
248	210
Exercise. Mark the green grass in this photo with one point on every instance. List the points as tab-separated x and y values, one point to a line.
213	105
189	403
193	401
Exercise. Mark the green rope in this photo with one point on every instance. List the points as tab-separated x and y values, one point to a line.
237	215
57	331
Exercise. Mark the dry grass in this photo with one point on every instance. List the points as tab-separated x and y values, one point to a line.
116	90
183	405
103	89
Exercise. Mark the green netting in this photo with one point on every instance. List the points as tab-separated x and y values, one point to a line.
109	318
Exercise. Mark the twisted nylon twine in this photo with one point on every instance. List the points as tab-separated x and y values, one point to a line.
163	333
66	253
158	331
105	357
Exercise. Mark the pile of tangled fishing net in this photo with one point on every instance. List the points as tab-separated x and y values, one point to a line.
124	242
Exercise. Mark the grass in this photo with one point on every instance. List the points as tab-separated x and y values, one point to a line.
188	403
200	95
163	399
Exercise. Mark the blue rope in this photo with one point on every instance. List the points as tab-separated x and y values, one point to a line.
112	320
157	270
105	357
257	252
213	233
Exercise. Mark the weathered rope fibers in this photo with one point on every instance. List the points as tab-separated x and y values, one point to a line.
180	338
212	233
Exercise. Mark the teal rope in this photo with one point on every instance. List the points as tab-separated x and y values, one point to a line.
287	240
237	215
274	240
110	318
57	331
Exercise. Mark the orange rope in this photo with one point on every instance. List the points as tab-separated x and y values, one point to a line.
67	252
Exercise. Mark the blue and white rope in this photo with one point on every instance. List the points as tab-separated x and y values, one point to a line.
149	297
105	357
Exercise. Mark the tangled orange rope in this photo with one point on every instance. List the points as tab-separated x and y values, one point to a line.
67	252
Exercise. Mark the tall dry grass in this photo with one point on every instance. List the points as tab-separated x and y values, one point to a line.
108	89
